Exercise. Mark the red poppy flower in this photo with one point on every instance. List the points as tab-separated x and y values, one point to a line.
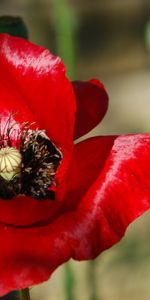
57	200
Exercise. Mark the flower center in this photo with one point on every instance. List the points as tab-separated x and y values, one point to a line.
31	169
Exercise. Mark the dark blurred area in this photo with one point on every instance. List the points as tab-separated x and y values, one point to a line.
111	33
111	40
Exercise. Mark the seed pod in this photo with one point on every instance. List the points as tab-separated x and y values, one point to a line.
10	162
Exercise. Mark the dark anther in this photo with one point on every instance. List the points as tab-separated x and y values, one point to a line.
40	159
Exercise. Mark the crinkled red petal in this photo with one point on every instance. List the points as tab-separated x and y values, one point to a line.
38	78
119	194
92	103
34	89
88	159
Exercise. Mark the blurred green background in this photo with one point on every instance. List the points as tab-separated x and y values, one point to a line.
109	40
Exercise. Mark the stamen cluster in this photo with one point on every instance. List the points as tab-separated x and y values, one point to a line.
34	174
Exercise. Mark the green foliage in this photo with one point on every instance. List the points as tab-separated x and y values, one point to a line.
147	35
13	26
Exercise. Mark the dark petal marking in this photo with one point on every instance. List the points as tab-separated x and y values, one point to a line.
10	189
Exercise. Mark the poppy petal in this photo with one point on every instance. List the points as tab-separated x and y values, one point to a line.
118	195
88	159
39	79
92	103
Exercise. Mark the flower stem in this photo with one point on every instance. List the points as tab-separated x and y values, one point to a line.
24	294
69	282
65	33
92	280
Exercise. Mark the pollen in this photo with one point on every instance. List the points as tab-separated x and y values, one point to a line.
10	162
